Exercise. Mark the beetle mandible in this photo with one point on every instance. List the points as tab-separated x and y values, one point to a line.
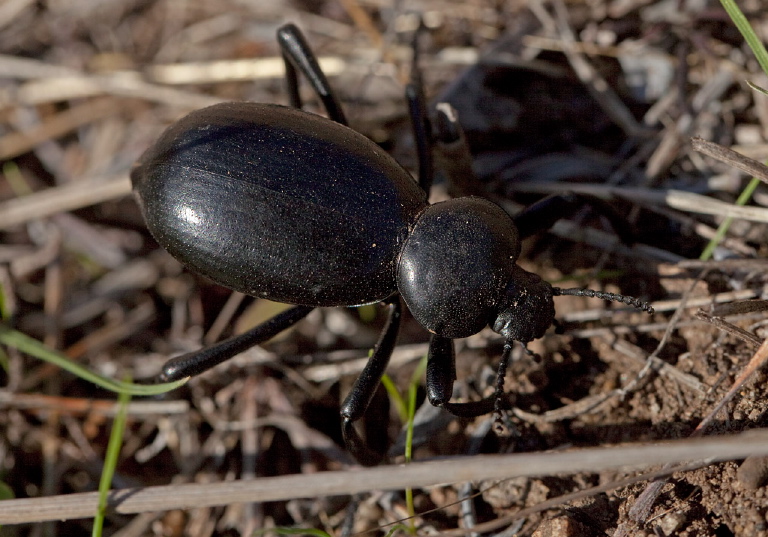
279	203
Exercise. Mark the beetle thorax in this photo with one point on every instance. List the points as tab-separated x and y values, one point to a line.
455	265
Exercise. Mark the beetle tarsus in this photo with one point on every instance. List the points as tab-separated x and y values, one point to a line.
357	446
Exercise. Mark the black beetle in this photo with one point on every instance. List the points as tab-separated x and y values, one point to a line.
287	205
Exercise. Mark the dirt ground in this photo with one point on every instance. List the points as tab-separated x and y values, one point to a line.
596	97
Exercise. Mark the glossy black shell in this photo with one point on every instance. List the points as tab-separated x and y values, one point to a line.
270	201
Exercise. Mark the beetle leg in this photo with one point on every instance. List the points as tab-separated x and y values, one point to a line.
298	57
194	363
417	110
365	387
452	154
543	214
494	403
441	370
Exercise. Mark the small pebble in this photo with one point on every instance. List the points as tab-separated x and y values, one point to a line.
753	472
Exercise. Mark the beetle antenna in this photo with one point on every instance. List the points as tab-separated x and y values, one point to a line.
613	297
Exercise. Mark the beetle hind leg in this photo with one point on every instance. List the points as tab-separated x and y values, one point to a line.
194	363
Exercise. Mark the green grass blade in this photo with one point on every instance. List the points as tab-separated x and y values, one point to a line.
747	32
744	197
413	387
395	397
396	528
110	462
6	492
31	346
4	313
757	88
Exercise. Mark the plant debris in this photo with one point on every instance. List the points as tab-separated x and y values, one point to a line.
599	98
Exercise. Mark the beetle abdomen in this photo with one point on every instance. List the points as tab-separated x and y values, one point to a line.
269	201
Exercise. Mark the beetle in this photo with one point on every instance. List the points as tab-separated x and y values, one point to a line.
283	204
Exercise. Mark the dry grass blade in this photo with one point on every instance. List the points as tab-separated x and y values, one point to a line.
720	323
79	406
674	198
59	199
13	145
233	70
731	157
759	359
419	474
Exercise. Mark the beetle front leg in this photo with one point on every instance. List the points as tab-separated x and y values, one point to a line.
441	370
365	387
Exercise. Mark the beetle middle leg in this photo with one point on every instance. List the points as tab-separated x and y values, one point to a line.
417	110
365	387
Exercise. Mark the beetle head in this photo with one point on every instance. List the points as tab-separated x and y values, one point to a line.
526	309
